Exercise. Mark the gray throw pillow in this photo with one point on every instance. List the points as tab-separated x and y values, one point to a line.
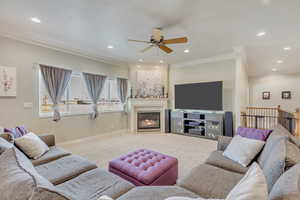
4	145
272	159
19	179
292	155
288	185
295	140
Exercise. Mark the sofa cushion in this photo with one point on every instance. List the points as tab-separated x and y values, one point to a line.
210	182
243	150
32	145
4	145
217	159
19	179
272	159
157	193
288	185
64	169
93	184
253	133
54	153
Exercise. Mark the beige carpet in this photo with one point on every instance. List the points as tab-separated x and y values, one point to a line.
190	151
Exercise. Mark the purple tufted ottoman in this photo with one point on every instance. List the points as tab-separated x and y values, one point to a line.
145	167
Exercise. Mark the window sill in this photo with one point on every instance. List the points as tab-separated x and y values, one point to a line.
50	115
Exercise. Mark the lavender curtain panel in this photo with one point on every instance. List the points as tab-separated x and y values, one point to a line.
94	84
122	90
56	81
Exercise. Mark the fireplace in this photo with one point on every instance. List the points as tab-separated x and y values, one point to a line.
148	121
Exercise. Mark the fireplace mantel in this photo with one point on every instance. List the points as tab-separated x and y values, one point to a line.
146	105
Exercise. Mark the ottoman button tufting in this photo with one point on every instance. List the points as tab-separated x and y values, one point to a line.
144	167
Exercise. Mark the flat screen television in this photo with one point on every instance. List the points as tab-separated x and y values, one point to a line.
199	96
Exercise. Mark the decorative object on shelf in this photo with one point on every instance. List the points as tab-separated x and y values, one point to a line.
8	81
286	95
266	95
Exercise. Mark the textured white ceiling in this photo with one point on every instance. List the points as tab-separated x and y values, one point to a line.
213	27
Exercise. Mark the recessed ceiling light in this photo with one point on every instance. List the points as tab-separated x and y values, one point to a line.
35	20
110	46
274	70
141	60
261	34
186	51
287	48
161	61
279	61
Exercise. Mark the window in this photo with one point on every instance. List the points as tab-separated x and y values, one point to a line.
76	100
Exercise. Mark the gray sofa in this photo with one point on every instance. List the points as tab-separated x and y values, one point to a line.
80	179
280	161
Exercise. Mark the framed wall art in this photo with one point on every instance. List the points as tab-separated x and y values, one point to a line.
266	95
8	81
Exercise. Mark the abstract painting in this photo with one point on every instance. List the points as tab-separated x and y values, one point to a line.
149	83
8	82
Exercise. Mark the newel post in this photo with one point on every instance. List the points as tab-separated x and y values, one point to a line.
297	122
243	119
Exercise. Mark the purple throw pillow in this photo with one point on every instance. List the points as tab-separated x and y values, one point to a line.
17	132
253	133
23	130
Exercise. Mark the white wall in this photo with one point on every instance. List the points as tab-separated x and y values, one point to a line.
208	72
23	56
276	83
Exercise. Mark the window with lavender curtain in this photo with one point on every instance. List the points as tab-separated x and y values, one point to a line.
56	81
122	91
94	84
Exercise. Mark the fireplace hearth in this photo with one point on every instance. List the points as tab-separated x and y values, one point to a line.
148	121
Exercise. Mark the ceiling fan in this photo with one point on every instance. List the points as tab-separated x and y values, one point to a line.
158	40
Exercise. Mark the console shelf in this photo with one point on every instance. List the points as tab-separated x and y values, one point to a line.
193	123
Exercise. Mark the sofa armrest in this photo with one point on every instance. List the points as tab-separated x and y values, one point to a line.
49	139
223	142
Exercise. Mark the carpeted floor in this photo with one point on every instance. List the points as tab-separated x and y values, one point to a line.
190	151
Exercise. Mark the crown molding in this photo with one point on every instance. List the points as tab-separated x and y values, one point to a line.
68	50
224	57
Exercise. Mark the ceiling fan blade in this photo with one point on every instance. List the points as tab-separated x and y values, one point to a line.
157	34
165	49
176	40
146	49
139	41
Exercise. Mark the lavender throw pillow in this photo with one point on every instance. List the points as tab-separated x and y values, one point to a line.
254	133
17	132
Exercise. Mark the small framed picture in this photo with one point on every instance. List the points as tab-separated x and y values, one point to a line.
266	95
286	95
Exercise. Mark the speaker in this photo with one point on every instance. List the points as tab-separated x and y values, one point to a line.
168	120
228	124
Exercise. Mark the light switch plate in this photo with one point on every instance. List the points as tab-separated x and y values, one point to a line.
28	105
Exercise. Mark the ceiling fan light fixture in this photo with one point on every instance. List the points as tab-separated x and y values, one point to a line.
36	20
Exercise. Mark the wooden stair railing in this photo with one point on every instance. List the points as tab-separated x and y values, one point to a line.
266	118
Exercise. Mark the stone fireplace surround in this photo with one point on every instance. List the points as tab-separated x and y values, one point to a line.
146	105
